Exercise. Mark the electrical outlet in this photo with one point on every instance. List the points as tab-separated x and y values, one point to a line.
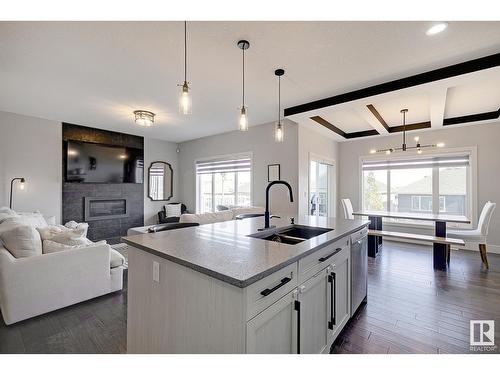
156	272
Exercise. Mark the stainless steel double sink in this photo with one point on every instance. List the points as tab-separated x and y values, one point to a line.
290	235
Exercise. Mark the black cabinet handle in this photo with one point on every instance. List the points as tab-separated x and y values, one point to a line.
268	291
333	304
322	259
297	308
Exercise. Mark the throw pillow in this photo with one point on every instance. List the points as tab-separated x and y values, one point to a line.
74	225
66	236
173	210
55	247
36	220
20	240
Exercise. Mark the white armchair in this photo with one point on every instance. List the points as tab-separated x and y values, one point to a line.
36	285
479	234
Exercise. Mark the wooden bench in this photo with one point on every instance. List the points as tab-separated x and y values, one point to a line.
420	237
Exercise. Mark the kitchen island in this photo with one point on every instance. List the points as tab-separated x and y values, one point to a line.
215	289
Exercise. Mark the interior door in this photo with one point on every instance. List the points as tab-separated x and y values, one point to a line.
321	182
275	329
314	300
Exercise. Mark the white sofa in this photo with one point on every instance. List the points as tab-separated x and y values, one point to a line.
36	279
36	285
206	218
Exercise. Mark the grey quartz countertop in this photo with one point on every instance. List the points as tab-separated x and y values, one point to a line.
224	250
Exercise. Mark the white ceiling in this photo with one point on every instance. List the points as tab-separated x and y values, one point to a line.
97	73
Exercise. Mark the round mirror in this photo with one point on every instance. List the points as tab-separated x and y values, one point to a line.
160	177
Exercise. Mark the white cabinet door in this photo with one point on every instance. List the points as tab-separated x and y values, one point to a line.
314	310
274	330
339	288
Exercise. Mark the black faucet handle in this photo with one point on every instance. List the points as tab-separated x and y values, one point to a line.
292	220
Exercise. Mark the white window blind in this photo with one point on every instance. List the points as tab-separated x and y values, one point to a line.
447	161
224	166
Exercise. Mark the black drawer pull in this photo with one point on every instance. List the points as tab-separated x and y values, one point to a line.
333	304
322	259
268	291
297	308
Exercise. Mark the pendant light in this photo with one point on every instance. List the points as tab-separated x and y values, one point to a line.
243	123
404	146
279	131
184	99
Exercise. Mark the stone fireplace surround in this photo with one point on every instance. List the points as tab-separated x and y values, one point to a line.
118	198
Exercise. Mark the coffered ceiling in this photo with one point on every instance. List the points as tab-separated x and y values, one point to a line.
98	73
467	93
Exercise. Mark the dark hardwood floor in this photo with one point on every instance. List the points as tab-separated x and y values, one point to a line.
96	326
414	309
411	309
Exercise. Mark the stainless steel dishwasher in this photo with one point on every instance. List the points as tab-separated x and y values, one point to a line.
359	268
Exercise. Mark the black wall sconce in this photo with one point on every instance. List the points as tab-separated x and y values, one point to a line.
22	180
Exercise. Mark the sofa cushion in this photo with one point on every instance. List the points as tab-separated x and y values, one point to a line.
247	210
20	240
207	218
115	258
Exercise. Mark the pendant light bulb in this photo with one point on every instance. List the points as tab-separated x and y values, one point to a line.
279	130
243	125
185	105
279	134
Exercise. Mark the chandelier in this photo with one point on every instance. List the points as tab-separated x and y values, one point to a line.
404	147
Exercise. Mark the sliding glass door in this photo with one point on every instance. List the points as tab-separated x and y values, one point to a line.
321	198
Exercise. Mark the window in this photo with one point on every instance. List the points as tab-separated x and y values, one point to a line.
223	182
421	203
431	184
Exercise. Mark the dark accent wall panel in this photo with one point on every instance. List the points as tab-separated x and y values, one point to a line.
73	194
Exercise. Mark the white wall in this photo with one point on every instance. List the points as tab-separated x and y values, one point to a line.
486	137
260	141
318	144
157	150
31	148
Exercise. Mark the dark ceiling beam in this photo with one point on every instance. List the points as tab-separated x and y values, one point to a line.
415	80
415	126
472	118
320	120
378	116
364	133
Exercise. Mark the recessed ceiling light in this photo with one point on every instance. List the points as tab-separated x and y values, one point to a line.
437	28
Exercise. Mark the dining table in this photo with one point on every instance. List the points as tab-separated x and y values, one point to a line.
440	258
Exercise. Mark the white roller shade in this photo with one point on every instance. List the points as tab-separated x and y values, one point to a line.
429	162
226	165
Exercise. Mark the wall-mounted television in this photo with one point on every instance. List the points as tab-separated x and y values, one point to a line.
98	163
